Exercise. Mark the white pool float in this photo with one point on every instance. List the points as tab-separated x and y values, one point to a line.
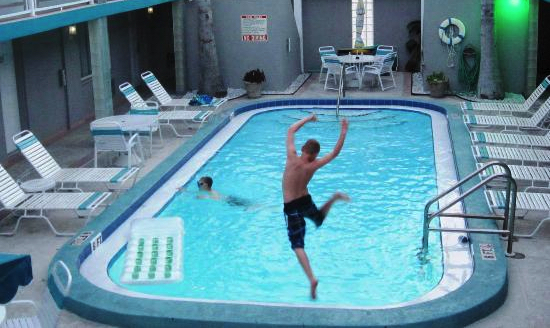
154	254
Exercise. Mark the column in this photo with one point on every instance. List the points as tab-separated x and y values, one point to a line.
9	104
178	19
101	67
298	17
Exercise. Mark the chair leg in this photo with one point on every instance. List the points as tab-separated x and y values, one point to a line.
326	80
532	234
380	81
95	156
320	72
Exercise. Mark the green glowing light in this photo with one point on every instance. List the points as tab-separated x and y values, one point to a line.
512	10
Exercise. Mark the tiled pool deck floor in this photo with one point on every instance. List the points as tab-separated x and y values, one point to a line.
528	298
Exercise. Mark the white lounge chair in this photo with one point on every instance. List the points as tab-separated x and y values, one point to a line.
142	107
529	176
160	93
526	202
324	52
70	178
109	137
511	155
25	205
379	68
509	122
511	139
503	108
334	68
45	312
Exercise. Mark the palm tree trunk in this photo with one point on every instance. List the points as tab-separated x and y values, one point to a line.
210	78
490	84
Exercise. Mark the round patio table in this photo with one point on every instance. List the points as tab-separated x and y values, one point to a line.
130	123
358	60
15	271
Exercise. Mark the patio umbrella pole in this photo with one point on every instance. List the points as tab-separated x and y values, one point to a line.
340	89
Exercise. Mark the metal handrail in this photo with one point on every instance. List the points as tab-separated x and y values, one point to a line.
508	217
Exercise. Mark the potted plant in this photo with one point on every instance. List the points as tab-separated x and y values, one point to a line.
253	81
438	84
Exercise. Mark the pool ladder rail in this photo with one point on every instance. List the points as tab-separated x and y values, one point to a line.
508	216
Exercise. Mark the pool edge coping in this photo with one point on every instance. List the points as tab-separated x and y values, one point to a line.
84	296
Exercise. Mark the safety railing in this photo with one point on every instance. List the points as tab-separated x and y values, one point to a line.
508	216
15	9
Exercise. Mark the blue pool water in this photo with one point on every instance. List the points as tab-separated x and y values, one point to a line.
365	252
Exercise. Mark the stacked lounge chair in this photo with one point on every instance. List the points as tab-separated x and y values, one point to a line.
141	107
514	123
166	100
502	108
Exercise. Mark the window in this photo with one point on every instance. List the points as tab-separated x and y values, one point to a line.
368	26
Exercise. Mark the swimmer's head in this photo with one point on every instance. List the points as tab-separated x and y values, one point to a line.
311	149
205	183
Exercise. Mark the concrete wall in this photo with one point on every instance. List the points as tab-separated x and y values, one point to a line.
390	25
435	52
236	57
326	23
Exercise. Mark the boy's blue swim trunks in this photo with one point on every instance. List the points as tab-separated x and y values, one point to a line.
295	211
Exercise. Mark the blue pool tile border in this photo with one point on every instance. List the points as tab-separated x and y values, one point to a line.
89	301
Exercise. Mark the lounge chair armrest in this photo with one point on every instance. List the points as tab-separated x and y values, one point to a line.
148	104
23	302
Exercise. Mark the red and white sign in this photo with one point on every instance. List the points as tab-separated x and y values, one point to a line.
254	28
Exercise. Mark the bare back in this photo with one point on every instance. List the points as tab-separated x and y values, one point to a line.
300	169
296	177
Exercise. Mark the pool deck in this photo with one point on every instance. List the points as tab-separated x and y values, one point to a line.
528	292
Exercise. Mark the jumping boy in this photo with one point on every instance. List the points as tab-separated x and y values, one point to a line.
297	202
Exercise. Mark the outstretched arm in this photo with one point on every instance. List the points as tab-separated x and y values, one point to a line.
290	147
339	144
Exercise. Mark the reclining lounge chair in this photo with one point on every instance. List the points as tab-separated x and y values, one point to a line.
25	205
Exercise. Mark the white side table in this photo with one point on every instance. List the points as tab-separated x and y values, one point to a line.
38	185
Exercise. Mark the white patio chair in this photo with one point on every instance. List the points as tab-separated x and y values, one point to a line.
511	155
69	178
34	206
379	68
324	52
334	68
507	108
509	123
46	312
139	106
383	50
160	93
527	202
109	137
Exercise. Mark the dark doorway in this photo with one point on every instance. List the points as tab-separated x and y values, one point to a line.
543	58
41	83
